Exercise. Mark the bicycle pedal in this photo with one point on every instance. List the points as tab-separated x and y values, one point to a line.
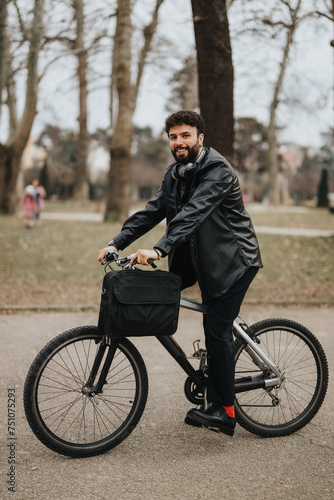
214	429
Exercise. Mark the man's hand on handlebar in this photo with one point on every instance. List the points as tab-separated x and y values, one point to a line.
105	250
142	257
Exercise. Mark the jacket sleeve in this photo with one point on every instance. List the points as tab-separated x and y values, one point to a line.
209	194
142	221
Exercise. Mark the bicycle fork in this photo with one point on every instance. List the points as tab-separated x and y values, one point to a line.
88	388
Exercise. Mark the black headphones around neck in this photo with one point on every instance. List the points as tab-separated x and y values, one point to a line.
181	171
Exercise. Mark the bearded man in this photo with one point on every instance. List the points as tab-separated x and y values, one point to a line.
209	239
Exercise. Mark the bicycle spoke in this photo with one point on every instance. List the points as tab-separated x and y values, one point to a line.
270	411
78	418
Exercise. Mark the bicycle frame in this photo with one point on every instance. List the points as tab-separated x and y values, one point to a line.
242	384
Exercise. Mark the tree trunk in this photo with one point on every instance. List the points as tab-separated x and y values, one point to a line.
118	197
81	186
10	155
10	160
273	188
11	95
215	73
119	175
3	43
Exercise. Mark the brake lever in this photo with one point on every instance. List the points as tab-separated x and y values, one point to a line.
128	265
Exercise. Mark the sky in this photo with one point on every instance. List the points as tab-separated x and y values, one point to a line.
310	78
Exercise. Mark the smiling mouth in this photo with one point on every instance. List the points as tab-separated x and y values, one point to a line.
181	150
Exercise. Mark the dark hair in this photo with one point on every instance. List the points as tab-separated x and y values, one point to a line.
185	118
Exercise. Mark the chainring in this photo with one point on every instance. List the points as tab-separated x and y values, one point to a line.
192	392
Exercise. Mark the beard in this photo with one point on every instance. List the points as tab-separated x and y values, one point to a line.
193	153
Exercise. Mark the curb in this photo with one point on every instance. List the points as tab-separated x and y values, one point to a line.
292	302
95	308
52	308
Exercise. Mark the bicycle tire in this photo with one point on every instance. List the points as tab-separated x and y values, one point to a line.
68	421
281	411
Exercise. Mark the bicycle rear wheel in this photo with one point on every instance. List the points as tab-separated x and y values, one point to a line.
60	412
280	411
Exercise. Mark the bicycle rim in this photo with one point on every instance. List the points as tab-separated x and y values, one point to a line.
285	409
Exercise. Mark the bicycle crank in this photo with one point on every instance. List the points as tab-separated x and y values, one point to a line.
193	393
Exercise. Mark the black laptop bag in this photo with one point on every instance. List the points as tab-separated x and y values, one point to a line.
136	303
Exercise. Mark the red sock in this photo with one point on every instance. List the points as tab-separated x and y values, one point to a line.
229	410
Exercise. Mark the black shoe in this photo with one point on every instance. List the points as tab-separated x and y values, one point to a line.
215	416
190	421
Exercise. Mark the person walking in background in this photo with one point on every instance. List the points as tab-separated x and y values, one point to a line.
29	206
40	194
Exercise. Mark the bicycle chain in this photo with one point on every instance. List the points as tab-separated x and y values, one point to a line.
251	371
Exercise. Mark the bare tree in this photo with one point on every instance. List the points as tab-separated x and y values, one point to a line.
325	9
184	87
216	75
81	187
277	23
11	153
118	197
80	43
290	27
3	39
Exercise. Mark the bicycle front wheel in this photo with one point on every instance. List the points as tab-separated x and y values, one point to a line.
57	407
282	410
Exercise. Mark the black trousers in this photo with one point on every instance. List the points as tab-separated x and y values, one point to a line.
218	322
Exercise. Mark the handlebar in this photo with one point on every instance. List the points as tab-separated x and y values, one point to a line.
112	256
123	262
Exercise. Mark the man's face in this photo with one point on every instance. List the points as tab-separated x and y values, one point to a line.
184	143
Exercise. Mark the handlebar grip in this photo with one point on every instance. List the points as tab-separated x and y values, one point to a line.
110	256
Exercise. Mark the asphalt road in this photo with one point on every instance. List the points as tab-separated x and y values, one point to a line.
164	458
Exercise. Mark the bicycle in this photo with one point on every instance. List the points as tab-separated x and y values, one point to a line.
85	393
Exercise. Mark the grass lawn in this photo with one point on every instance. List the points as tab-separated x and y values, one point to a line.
55	263
316	218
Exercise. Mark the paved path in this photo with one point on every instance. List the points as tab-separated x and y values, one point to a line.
80	216
294	231
97	217
164	458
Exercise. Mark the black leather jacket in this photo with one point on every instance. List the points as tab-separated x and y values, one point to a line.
210	237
